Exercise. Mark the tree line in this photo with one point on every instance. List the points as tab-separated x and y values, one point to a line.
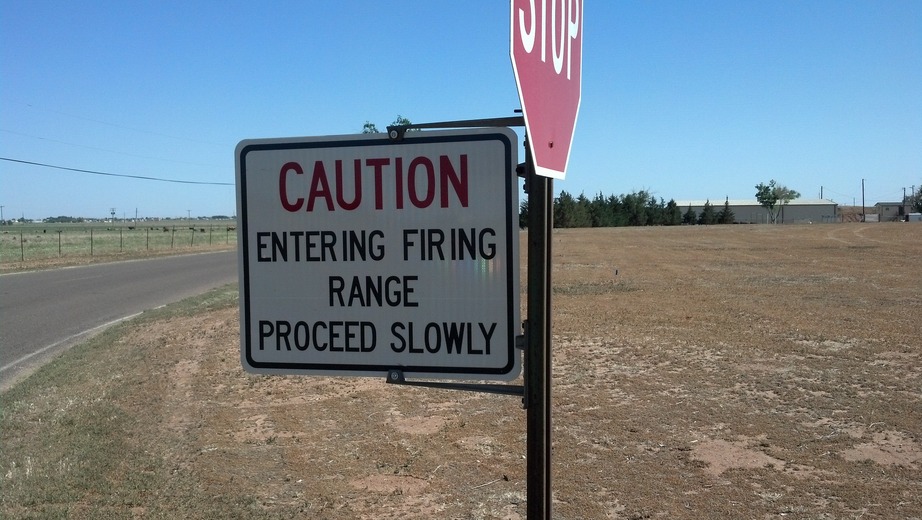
632	209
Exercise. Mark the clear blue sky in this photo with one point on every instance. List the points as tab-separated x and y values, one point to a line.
688	100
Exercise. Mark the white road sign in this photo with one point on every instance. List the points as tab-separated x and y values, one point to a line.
358	254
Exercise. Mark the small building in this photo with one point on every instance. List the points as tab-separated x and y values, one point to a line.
797	211
891	211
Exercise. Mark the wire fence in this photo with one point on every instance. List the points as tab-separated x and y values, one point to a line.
34	241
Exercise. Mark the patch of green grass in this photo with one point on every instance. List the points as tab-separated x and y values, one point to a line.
75	443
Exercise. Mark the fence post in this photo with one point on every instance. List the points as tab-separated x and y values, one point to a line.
59	242
91	241
22	248
173	236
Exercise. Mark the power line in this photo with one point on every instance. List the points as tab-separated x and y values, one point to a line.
101	149
93	172
116	125
834	192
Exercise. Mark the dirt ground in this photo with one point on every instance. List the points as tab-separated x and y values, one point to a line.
699	372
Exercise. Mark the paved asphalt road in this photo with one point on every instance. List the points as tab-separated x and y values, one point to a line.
44	312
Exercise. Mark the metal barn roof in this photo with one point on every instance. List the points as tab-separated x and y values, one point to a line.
753	202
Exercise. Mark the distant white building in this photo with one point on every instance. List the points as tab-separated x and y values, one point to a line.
749	211
891	211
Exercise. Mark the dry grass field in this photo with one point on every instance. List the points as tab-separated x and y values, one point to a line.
48	245
699	372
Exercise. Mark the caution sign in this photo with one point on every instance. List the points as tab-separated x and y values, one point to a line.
359	254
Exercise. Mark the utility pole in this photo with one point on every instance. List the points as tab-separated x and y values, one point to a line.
112	211
862	201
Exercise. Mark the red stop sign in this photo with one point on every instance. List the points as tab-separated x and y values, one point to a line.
547	57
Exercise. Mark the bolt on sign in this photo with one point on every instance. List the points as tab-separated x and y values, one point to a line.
546	49
359	254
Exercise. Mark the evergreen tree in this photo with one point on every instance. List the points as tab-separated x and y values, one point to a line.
563	210
615	205
690	217
673	214
726	216
523	214
707	216
582	215
600	212
655	211
635	208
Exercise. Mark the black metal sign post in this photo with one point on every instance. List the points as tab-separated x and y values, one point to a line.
538	349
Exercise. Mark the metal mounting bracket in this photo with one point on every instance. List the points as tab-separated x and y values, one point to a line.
395	376
397	132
